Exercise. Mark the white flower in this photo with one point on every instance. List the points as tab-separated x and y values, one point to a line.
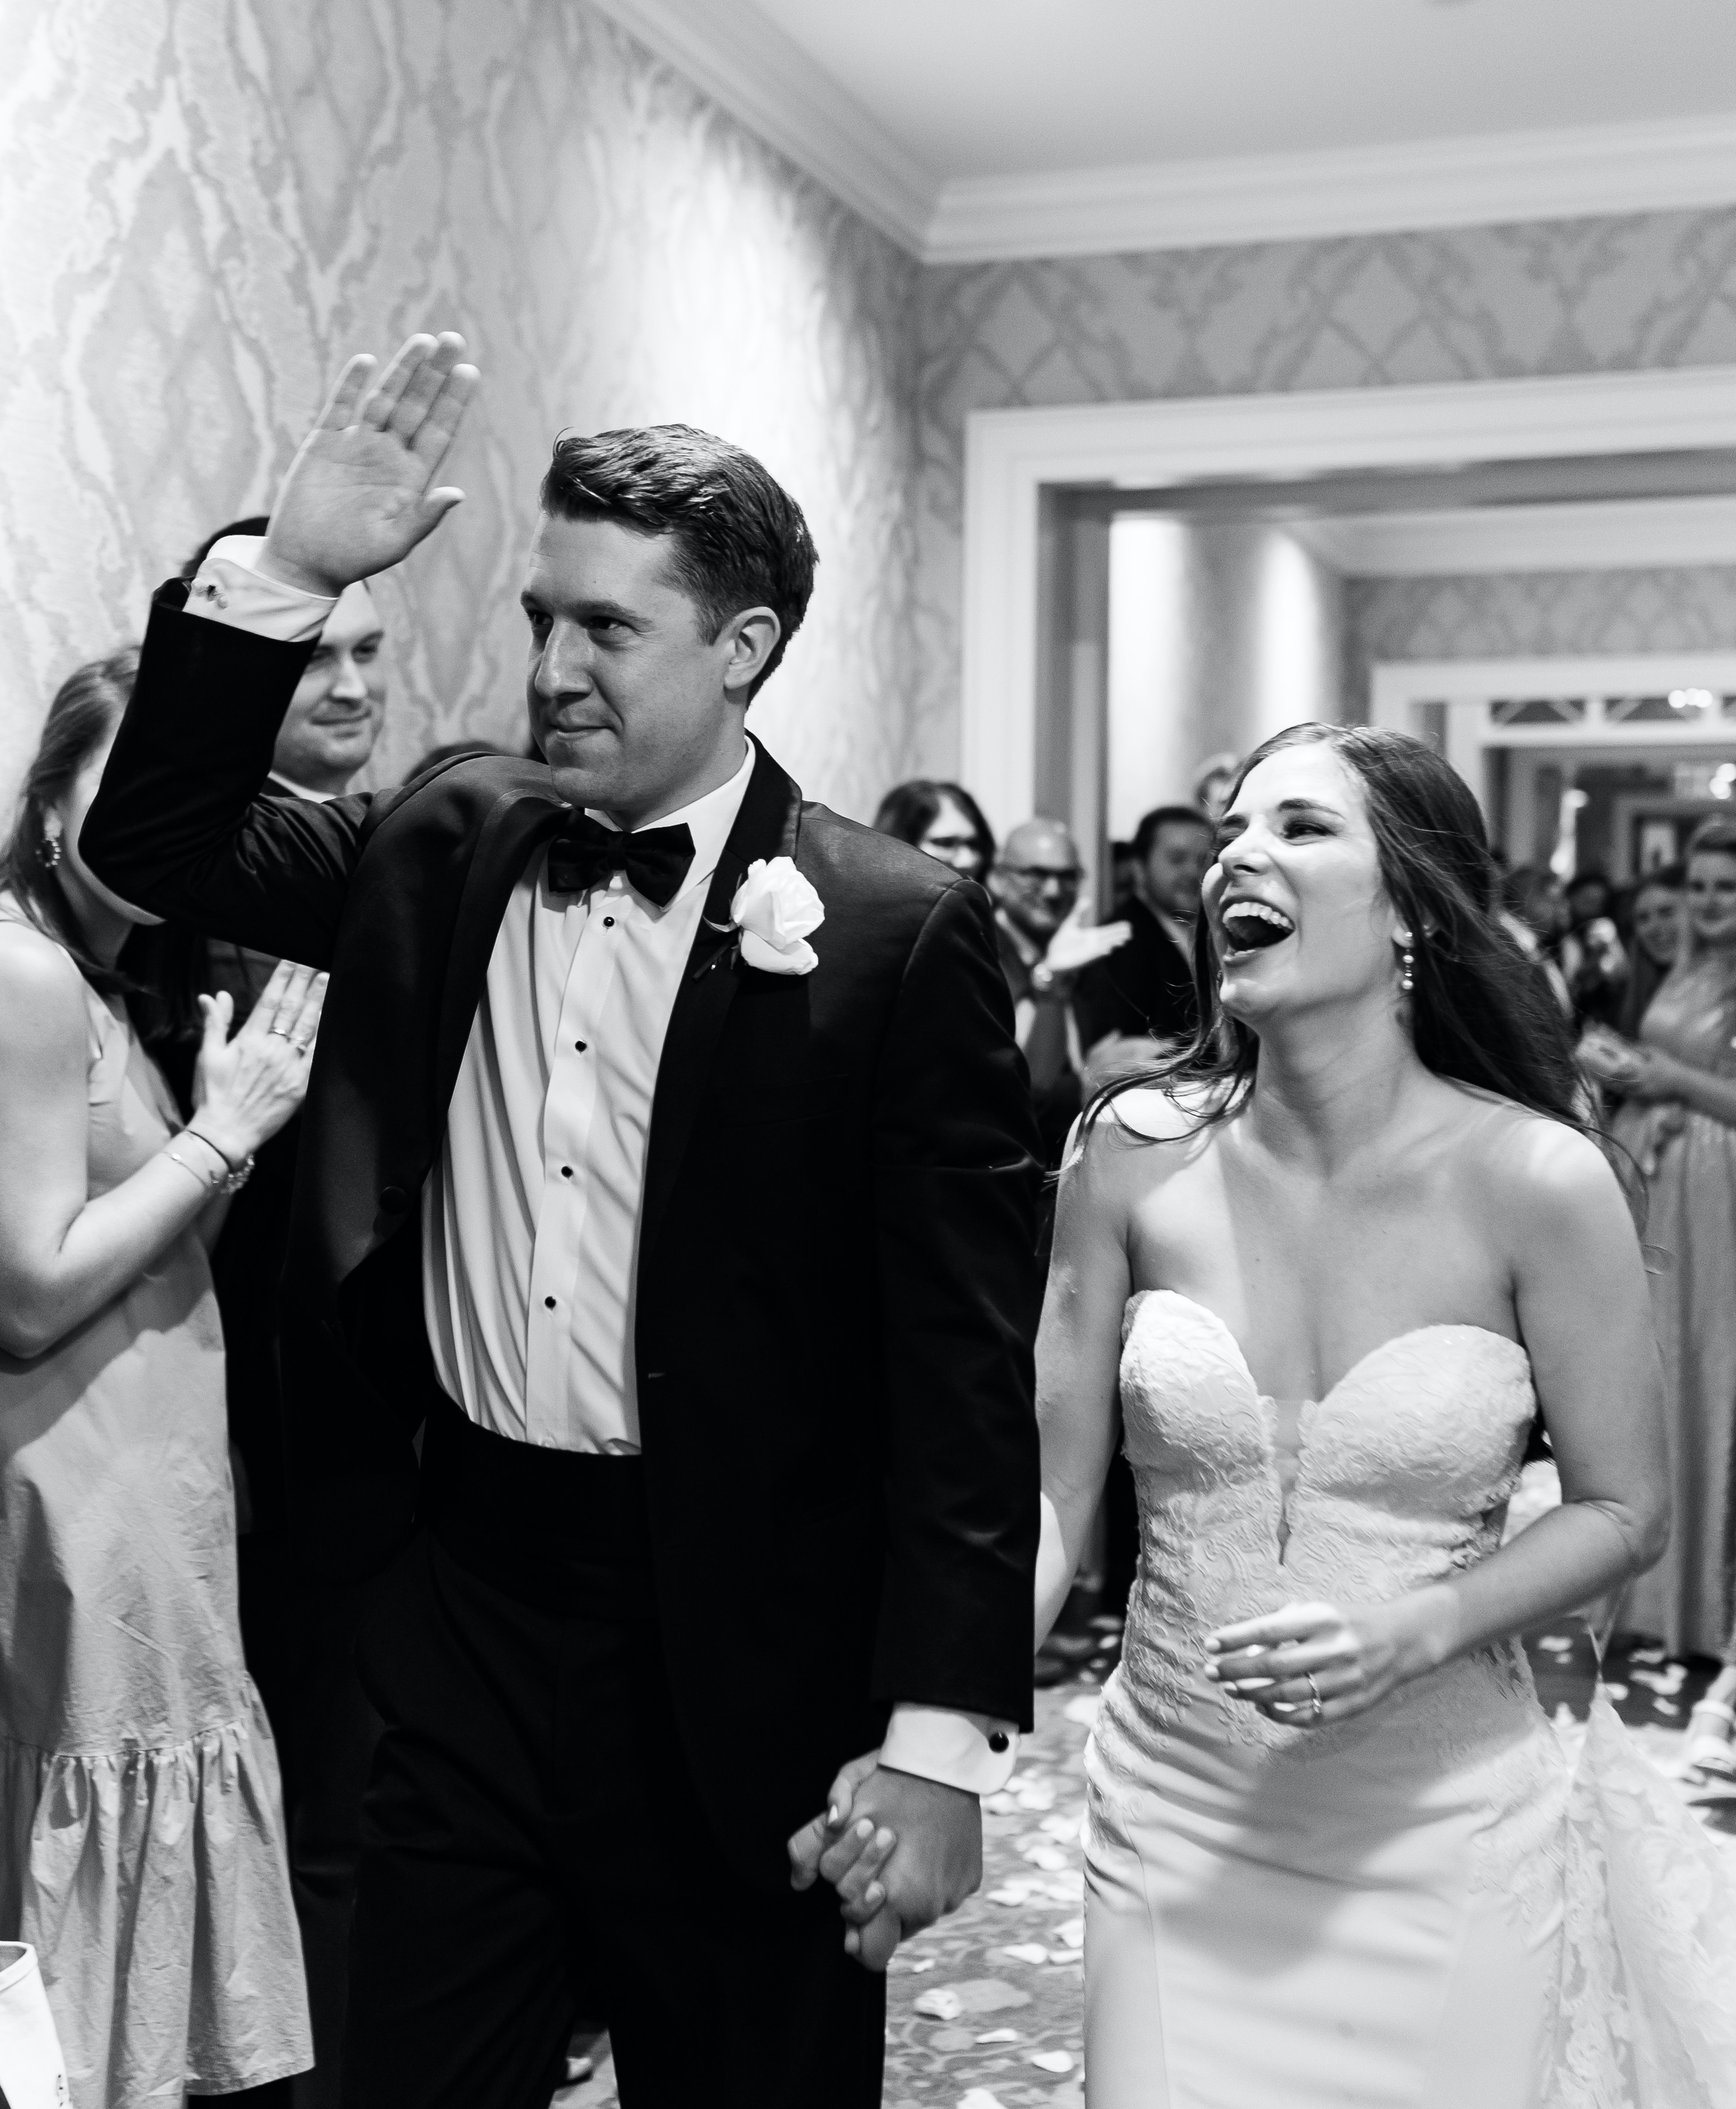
774	908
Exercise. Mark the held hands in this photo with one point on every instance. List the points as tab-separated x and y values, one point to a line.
1356	1657
356	500
245	1089
901	1852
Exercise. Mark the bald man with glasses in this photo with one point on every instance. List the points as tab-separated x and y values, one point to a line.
1046	937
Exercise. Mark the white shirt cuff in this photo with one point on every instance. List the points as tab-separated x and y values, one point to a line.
973	1752
227	589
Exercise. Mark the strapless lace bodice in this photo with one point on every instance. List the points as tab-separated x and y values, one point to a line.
1362	1910
1403	1472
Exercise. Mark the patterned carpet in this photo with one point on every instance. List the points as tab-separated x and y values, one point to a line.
983	2011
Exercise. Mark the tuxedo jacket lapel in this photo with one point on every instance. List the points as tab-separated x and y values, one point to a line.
768	825
519	822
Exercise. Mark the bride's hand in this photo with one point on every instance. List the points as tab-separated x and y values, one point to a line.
1311	1664
848	1855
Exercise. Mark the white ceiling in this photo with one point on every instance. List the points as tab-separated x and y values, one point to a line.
999	88
975	128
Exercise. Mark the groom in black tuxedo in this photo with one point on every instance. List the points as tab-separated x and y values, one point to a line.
668	1164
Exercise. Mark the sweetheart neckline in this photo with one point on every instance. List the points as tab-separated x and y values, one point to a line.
1308	1410
1361	1362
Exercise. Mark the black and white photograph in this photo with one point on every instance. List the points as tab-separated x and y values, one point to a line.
868	1054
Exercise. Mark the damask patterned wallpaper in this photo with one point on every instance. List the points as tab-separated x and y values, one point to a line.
1368	311
205	205
1536	615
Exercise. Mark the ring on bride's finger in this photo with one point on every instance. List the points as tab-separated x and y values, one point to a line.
276	1032
1314	1693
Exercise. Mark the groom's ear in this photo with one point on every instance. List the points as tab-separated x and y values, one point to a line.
749	640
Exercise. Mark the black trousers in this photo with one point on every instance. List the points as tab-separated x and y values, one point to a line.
532	1845
299	1633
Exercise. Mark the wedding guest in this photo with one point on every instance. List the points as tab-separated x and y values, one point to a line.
333	722
1144	992
1655	924
942	820
145	1858
1045	935
1593	958
1533	914
1124	880
1654	920
298	1631
1678	1123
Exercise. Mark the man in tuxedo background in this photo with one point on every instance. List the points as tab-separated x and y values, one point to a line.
1144	990
694	1232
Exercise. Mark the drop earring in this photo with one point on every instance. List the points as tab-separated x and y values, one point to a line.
1407	965
50	852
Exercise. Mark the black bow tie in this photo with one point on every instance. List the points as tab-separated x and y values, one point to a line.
656	859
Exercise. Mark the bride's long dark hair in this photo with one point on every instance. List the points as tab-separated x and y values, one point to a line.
1480	1012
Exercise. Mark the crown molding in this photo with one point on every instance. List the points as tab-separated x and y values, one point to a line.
745	63
732	53
1648	533
1362	189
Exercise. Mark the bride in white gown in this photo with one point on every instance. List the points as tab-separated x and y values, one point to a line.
1322	1279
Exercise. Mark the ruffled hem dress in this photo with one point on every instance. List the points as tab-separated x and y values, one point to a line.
142	1848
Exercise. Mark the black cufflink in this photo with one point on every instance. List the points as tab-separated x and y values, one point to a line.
997	1742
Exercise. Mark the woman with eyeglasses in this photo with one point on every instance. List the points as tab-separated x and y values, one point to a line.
942	820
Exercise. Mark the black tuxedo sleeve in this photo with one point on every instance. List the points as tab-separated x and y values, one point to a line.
178	826
956	1181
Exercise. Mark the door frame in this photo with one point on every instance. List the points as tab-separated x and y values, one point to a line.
1017	461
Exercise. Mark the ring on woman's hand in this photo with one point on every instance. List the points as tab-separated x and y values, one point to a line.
301	1046
1314	1692
276	1032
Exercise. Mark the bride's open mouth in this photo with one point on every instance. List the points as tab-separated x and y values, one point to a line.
1250	927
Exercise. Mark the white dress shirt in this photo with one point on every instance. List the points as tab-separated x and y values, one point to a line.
530	1229
531	1221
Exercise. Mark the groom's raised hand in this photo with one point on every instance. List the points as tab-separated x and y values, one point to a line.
357	499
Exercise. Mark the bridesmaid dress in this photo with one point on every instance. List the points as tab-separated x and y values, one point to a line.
142	1851
1688	1600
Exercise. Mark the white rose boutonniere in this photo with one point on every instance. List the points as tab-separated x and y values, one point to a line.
774	908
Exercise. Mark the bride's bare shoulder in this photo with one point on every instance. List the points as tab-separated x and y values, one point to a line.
1118	1133
1537	1167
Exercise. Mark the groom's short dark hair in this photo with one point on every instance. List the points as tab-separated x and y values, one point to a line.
740	538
